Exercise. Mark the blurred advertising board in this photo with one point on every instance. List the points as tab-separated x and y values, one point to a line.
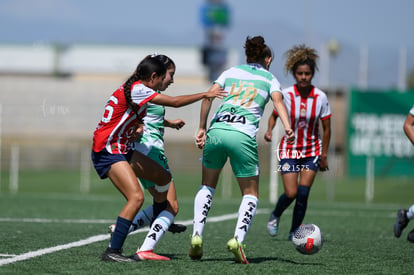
375	133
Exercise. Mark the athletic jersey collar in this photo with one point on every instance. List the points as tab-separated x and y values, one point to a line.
257	65
311	94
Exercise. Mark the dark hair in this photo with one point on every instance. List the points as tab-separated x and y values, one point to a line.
149	65
301	55
256	50
166	60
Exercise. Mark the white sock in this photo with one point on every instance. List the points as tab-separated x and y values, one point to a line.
247	211
158	228
410	213
202	205
143	218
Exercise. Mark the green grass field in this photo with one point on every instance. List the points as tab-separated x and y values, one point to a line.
49	227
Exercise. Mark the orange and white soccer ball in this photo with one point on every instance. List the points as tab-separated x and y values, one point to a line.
308	239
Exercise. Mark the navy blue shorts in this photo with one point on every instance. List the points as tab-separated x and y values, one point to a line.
297	165
103	160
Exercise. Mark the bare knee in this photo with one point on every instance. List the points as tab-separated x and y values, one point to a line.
291	194
136	200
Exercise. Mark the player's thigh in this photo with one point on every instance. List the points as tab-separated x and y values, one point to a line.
159	157
215	149
307	177
249	185
244	157
290	183
124	179
148	169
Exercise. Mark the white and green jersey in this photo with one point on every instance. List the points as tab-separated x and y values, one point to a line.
249	88
153	134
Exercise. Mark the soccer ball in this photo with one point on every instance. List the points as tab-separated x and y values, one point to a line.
308	239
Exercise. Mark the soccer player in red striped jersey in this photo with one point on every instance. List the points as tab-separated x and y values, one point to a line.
120	125
299	161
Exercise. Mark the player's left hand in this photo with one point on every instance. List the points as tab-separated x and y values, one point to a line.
323	164
177	124
200	138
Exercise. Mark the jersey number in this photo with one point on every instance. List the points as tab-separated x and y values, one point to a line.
109	110
248	95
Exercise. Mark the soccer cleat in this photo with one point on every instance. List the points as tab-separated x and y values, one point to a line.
115	255
410	236
237	248
290	237
177	228
196	247
401	222
149	256
273	225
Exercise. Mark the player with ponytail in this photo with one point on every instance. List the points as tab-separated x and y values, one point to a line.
232	135
120	126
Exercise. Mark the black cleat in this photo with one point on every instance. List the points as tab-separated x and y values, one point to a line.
401	223
410	236
115	255
177	228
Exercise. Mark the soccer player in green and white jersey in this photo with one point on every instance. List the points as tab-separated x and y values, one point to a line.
232	134
151	144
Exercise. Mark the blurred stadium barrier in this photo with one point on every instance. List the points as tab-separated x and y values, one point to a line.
51	119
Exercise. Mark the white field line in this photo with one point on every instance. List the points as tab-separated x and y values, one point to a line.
93	239
102	237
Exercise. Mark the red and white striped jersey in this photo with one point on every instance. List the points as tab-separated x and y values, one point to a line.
304	115
119	121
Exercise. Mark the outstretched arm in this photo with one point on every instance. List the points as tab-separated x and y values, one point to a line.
179	101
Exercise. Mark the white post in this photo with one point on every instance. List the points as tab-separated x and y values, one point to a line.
402	70
324	75
330	188
370	175
14	169
274	180
363	68
278	132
